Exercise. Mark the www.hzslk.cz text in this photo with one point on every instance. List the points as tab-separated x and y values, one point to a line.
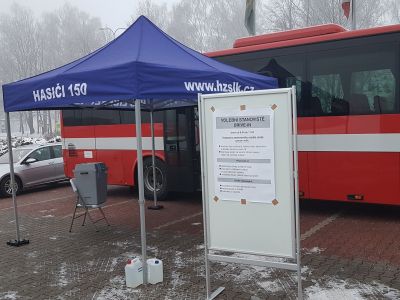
217	86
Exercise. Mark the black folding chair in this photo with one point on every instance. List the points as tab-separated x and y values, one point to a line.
80	203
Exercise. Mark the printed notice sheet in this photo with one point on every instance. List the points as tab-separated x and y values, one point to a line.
244	155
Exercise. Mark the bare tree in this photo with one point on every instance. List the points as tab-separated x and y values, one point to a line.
370	13
280	15
29	46
50	40
289	14
207	25
202	25
188	24
394	11
79	34
157	13
19	33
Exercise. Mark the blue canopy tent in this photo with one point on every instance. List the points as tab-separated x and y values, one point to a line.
142	63
142	67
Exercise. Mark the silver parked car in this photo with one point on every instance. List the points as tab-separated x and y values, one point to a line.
33	165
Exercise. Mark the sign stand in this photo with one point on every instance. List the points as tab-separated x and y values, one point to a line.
249	173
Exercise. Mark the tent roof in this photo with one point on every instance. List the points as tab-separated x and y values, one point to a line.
142	63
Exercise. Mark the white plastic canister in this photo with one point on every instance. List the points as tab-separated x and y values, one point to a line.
155	270
134	273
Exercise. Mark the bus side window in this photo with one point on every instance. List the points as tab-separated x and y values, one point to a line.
326	96
289	70
71	117
378	88
77	117
66	117
127	117
106	117
355	80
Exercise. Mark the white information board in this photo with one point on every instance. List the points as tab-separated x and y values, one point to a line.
244	155
248	167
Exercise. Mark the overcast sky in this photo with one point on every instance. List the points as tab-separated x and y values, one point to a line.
113	13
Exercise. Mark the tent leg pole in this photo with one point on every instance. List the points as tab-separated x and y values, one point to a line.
18	242
153	157
141	186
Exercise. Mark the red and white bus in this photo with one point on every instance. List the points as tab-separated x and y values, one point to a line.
348	117
347	103
109	136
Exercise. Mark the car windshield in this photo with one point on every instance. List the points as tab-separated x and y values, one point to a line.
18	154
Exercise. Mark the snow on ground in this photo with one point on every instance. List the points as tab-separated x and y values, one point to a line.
325	288
62	275
9	296
32	254
47	210
270	286
48	216
123	244
179	263
314	250
334	289
200	247
129	255
114	263
116	290
21	141
248	274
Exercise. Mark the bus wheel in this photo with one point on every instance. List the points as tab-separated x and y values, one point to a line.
161	179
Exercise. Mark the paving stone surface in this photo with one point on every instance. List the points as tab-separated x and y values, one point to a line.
348	252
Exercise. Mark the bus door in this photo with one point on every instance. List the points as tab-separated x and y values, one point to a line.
180	149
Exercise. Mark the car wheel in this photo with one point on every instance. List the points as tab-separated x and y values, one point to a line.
5	186
161	179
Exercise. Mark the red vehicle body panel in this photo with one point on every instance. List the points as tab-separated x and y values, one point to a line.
372	170
111	144
335	175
